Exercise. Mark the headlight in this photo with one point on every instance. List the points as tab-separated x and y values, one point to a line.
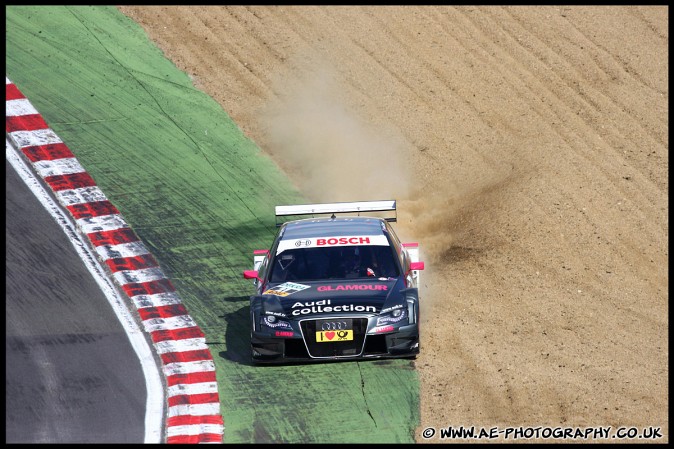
274	322
397	315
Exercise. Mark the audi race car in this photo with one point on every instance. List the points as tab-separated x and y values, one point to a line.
335	288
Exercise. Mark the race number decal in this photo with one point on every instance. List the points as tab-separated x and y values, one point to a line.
286	289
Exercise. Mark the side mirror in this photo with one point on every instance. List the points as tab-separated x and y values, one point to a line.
251	274
416	265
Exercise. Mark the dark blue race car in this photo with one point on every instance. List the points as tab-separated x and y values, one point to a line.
333	288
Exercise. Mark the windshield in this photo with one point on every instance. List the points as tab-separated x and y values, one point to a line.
336	262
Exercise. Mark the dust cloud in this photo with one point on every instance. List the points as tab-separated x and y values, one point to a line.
332	153
454	219
453	223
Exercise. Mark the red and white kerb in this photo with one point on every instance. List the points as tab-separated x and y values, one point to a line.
193	401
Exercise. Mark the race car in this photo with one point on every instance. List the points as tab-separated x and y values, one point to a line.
335	288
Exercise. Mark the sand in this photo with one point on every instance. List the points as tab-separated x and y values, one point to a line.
527	147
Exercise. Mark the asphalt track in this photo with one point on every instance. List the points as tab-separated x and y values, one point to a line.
71	373
201	196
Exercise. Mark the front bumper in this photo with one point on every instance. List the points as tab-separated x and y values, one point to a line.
404	342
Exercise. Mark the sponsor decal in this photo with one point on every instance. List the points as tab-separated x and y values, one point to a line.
324	306
334	330
333	241
332	336
322	242
351	287
380	329
286	289
283	334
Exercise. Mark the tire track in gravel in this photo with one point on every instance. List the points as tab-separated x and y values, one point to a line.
603	102
613	172
536	137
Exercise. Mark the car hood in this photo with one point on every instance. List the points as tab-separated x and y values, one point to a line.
302	300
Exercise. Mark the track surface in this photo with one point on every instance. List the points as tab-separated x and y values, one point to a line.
528	149
71	373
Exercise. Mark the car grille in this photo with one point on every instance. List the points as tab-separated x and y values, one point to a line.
337	349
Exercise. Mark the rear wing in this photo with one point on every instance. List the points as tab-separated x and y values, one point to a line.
338	208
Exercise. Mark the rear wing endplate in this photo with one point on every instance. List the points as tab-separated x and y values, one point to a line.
357	207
